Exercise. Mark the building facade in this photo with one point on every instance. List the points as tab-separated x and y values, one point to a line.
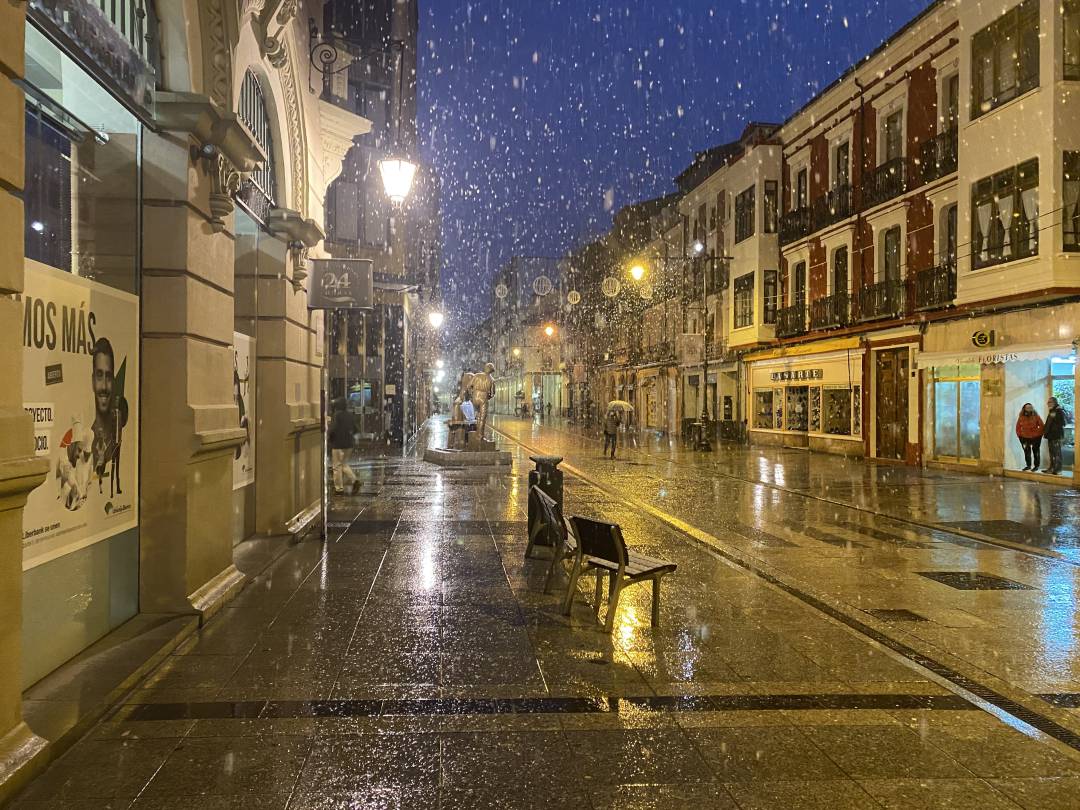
165	172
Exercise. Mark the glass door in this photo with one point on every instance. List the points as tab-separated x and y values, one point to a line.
957	411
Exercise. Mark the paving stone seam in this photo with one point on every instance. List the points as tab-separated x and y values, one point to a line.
937	527
1056	723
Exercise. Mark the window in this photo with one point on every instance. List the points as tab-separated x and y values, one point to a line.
799	285
950	104
798	408
840	271
842	165
802	189
763	409
892	136
772	296
1070	216
721	208
949	236
1006	215
890	255
702	218
1005	58
1071	44
259	189
745	212
772	206
744	301
837	407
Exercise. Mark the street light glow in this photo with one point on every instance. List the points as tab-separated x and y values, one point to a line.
517	352
698	246
637	272
439	364
435	318
397	176
549	330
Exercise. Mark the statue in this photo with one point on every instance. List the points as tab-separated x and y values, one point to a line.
457	417
483	389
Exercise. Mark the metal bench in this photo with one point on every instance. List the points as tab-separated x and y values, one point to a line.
601	548
551	530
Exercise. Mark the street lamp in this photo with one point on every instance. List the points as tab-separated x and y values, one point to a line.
435	318
397	177
698	247
637	271
549	330
439	364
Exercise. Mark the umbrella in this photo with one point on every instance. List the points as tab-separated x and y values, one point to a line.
620	403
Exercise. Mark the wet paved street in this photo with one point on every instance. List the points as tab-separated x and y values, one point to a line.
413	661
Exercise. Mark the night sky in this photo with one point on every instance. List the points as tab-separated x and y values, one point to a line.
545	116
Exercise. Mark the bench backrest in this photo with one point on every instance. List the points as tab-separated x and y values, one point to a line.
598	538
550	514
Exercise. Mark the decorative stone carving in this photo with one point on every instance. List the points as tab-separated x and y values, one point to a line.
225	183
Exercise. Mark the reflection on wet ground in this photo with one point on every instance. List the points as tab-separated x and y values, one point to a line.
414	661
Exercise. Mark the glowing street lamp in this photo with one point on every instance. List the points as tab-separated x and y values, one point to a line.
637	271
435	318
397	176
549	330
517	352
439	364
698	247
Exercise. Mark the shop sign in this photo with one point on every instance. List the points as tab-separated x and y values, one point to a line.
91	37
81	388
984	339
798	375
341	284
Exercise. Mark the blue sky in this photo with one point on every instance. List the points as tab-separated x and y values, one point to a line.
544	116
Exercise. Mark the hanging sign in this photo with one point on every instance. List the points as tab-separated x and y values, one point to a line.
341	284
81	388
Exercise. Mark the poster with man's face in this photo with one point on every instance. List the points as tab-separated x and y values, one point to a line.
80	387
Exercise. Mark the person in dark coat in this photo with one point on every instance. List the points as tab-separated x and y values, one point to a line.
1029	430
1054	433
340	438
611	430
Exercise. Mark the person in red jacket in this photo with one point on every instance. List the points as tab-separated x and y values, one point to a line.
1029	430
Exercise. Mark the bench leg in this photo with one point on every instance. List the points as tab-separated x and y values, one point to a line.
656	602
571	588
598	593
532	539
613	602
556	558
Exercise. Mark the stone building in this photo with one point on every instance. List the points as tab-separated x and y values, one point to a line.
164	176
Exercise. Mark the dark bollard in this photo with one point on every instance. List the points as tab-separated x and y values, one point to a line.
549	478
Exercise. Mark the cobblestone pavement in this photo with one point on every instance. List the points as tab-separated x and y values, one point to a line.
414	661
1043	516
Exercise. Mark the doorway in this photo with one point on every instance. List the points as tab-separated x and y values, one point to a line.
891	403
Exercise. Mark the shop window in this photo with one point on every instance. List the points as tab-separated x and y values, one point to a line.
778	407
745	214
772	206
814	424
837	411
1005	225
890	255
772	296
957	409
1005	58
744	301
763	409
1071	41
1071	213
798	408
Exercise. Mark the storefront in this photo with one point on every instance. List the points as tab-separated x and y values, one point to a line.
88	89
978	375
800	399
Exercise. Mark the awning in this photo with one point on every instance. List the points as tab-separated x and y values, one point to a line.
990	357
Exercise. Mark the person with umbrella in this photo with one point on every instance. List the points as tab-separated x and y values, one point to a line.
612	422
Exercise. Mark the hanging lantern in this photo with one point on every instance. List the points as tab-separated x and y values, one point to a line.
646	292
542	286
573	297
610	286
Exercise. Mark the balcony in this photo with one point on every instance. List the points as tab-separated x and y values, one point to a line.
939	156
791	321
886	299
794	225
935	287
888	181
831	311
833	207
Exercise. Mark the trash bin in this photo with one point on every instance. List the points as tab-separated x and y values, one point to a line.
549	478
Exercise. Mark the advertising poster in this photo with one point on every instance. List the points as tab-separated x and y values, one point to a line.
81	388
243	388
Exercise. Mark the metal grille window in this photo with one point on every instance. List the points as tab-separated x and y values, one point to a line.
1005	58
744	301
259	191
745	211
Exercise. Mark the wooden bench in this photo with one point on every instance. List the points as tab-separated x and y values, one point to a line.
551	530
601	548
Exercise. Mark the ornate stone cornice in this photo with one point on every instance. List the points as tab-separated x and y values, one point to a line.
338	127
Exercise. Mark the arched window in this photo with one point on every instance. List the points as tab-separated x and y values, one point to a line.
259	192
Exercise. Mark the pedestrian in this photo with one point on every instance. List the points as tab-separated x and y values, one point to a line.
611	430
340	438
1054	432
549	410
1029	430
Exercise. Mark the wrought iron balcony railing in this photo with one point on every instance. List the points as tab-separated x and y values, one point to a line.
833	207
830	312
791	321
885	299
939	156
886	182
794	225
936	286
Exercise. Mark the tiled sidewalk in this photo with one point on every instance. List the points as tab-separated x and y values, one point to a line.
414	662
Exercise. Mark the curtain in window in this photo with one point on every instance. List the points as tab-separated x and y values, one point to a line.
982	238
1071	212
1030	199
1005	216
